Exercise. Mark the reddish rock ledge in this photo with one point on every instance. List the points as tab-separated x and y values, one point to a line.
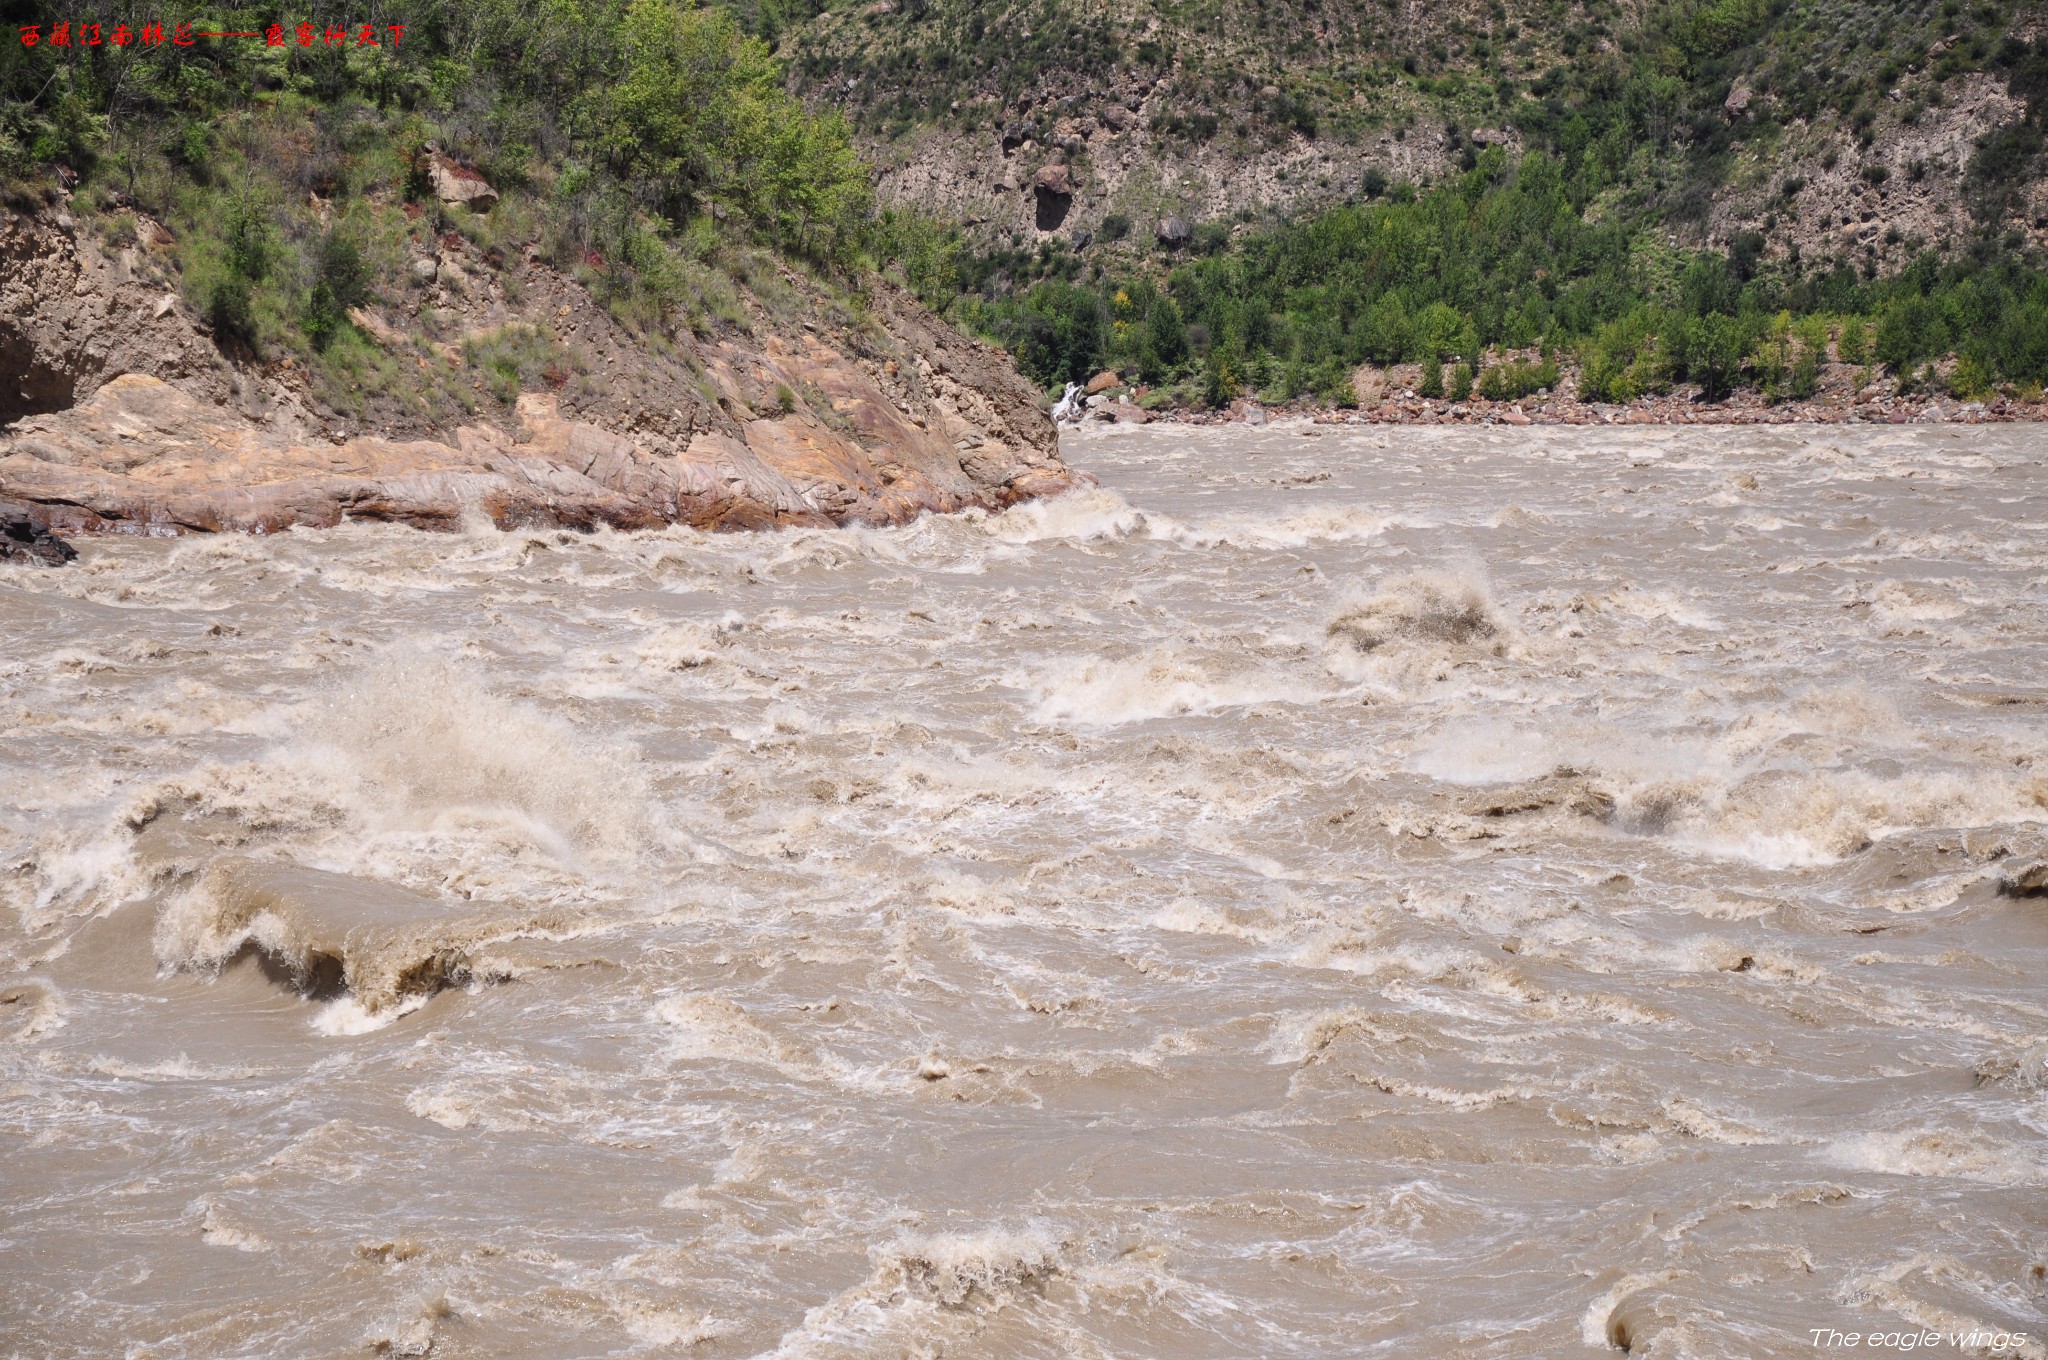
124	417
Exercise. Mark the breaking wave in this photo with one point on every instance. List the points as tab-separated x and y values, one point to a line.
326	933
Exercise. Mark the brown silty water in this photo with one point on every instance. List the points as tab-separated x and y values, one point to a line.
1328	892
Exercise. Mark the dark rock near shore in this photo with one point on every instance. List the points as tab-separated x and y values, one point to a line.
2027	880
25	537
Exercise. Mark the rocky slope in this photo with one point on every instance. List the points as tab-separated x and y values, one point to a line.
124	415
1226	111
1149	111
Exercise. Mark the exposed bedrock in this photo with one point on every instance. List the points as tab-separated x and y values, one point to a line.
121	416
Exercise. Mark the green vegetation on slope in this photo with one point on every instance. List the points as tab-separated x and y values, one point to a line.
1505	258
647	146
1577	245
1647	81
650	147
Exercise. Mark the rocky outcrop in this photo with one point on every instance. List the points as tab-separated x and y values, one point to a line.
2027	880
780	426
25	537
1053	187
73	315
454	183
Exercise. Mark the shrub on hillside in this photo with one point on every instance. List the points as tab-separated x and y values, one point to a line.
1517	378
1628	358
1911	329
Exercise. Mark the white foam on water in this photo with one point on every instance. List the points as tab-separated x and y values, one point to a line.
1485	751
346	1017
1088	515
1306	895
1293	529
1940	1153
1105	691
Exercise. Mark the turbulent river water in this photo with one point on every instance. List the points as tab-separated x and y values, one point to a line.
1329	891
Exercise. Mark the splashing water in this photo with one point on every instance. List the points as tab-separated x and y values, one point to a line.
1327	892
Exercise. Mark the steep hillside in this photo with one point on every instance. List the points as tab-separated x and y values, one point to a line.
1224	112
1219	198
538	408
602	272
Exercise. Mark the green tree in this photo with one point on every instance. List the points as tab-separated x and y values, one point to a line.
2022	344
1059	336
1165	341
1910	330
1852	345
1221	380
1714	347
342	281
700	118
1432	384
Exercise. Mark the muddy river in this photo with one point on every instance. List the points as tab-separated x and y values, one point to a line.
1327	892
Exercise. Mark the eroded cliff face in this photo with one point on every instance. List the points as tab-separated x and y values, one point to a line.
1225	113
124	416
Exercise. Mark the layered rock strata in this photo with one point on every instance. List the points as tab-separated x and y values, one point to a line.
125	418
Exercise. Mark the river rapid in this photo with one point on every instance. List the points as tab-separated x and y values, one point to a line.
1327	892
